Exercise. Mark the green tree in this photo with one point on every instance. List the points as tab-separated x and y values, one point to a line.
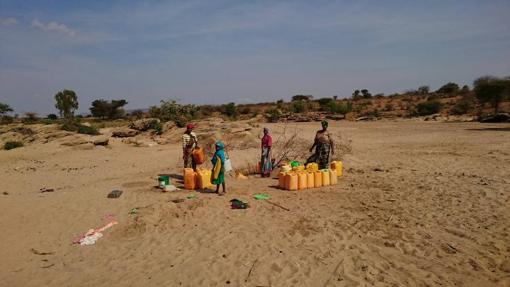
366	94
298	107
302	98
448	88
464	90
492	90
339	108
230	110
428	108
5	108
104	109
67	103
355	95
424	90
324	102
52	117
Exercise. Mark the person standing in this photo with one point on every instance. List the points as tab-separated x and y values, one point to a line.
323	145
265	158
218	172
189	143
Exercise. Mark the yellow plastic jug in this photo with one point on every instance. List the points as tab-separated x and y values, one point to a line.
203	178
299	168
317	178
281	180
291	181
333	178
310	179
302	181
325	177
286	168
189	179
337	167
312	166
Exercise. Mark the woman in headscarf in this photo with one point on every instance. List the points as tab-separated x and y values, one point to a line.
218	172
323	145
265	158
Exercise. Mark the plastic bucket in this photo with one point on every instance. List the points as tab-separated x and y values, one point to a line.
163	180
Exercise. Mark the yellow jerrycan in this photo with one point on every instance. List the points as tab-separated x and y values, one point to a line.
337	167
325	177
291	181
189	179
310	179
317	179
302	181
333	178
281	180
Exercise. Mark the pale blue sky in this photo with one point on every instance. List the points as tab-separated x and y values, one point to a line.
210	52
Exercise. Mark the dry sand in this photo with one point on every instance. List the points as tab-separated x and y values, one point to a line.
420	204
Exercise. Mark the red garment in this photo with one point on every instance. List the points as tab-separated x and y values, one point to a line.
267	141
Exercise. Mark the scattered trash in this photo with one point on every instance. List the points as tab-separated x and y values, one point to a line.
44	189
91	239
191	196
91	236
115	194
40	253
237	204
277	205
133	211
170	188
261	196
241	176
177	200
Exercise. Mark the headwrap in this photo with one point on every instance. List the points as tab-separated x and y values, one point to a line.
189	126
324	123
219	145
266	130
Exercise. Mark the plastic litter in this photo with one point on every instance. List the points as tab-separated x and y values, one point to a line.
115	193
91	239
92	235
238	204
261	196
191	196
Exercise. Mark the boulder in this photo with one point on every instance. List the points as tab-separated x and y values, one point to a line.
74	141
101	141
497	118
143	124
124	133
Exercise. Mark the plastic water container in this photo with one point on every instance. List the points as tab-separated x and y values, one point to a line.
325	177
189	179
337	167
203	178
333	178
198	155
286	168
317	178
291	181
310	179
302	181
281	180
312	166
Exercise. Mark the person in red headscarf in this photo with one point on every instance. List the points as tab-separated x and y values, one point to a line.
189	143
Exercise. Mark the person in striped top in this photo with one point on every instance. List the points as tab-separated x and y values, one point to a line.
189	143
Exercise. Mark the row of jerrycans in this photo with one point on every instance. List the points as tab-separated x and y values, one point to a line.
311	177
200	179
307	179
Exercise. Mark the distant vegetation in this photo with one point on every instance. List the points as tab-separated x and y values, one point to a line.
489	95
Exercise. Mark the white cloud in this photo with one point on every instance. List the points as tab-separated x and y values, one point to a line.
8	21
53	27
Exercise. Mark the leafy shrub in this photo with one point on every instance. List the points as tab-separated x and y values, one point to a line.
172	111
448	88
463	106
52	117
273	115
76	126
138	114
339	108
30	118
111	110
156	126
298	107
5	120
12	145
245	110
428	108
230	110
